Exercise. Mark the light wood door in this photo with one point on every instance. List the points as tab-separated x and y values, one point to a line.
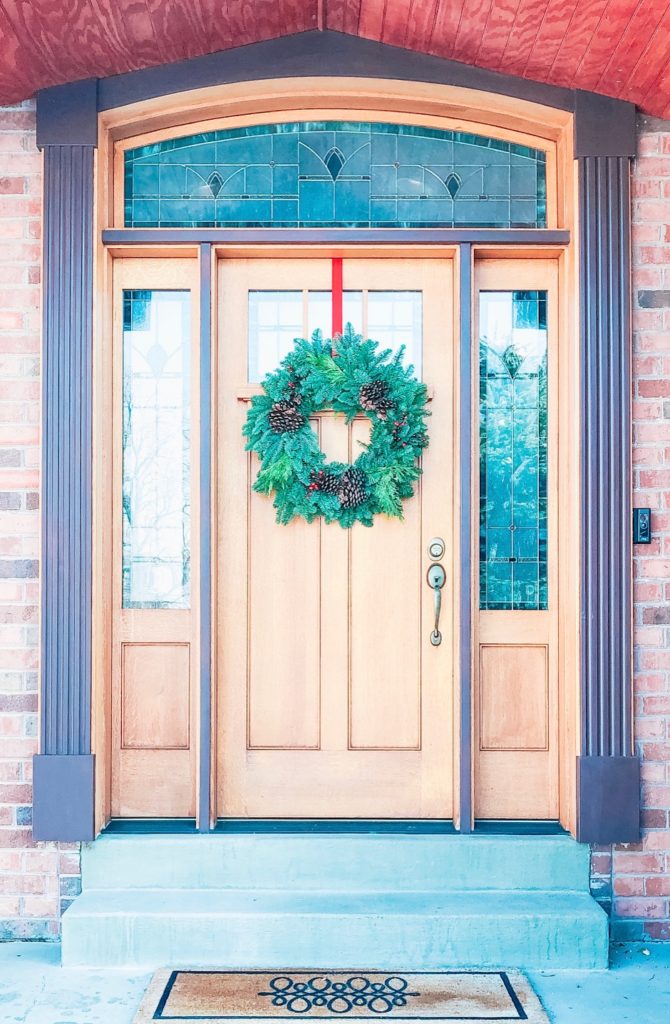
516	671
332	702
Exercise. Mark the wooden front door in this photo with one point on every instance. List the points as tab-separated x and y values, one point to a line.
332	701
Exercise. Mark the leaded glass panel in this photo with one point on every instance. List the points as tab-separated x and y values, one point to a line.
320	311
335	174
156	449
275	321
513	450
395	319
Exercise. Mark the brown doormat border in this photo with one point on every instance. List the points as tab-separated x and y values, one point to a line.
285	995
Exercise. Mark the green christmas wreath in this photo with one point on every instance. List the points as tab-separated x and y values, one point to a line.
350	376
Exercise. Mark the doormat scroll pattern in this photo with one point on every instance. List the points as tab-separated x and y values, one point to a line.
257	997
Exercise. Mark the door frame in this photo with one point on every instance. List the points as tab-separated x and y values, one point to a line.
77	125
464	257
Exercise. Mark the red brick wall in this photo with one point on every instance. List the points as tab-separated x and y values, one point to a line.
640	874
35	881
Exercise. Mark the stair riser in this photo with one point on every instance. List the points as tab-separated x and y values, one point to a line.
337	863
398	943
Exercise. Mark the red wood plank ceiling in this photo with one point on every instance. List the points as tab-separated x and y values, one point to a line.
617	47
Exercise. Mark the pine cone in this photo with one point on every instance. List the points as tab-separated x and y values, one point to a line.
418	440
373	397
284	418
352	491
329	483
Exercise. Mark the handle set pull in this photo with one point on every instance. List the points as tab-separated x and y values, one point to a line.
436	577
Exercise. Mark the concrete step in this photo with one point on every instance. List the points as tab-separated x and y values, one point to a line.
430	930
337	862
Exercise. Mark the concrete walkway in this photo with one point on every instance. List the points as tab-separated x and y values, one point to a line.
34	989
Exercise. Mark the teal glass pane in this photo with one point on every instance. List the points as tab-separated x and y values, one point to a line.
513	415
156	449
335	174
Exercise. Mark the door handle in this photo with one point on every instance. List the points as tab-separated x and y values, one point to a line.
436	577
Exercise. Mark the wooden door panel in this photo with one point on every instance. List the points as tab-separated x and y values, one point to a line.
385	633
514	697
332	701
155	696
284	670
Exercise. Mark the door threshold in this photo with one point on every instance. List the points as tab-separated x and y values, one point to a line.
329	826
149	827
507	827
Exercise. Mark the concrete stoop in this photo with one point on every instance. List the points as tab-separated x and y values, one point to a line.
392	902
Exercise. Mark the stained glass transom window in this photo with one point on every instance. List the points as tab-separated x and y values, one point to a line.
513	409
335	174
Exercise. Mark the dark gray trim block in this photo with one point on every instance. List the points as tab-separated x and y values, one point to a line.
68	114
606	515
608	790
604	126
63	798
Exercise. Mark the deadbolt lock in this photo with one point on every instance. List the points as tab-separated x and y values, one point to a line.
436	548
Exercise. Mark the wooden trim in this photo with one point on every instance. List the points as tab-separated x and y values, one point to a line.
259	96
335	109
342	99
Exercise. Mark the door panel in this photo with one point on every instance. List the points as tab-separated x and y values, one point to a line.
332	700
385	634
516	671
284	664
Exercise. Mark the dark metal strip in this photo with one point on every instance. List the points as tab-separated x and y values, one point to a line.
205	417
343	236
465	544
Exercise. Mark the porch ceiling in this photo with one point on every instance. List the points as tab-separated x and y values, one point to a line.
617	47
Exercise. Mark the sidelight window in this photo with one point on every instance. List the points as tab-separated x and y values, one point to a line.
156	449
513	404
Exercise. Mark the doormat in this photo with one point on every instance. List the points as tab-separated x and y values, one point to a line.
475	996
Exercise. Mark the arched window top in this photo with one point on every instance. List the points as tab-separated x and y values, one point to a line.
335	174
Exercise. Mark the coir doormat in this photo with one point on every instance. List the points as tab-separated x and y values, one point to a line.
475	996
